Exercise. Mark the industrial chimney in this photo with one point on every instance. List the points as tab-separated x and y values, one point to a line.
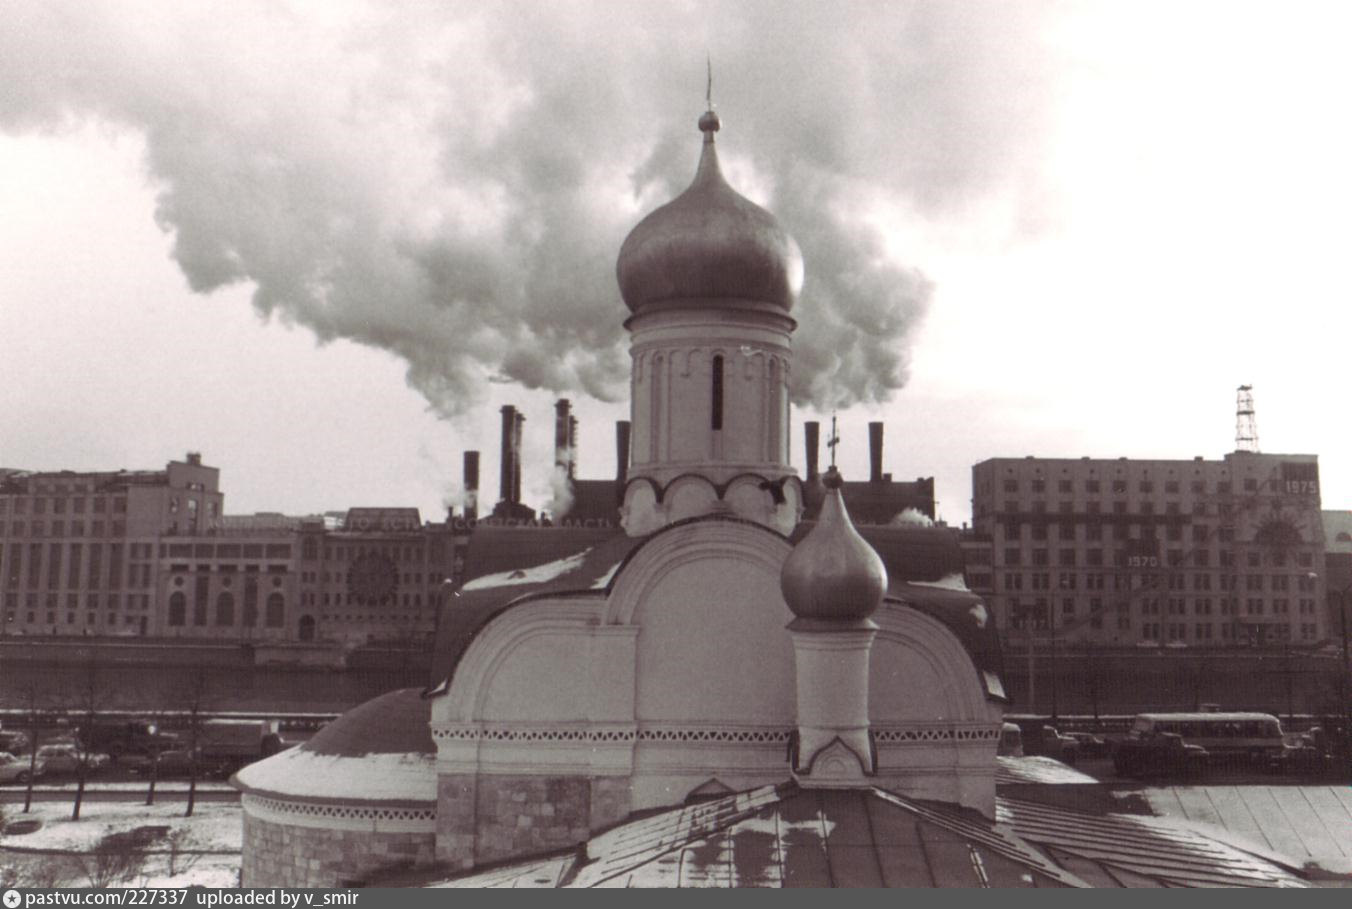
562	419
572	448
507	469
516	457
811	438
875	452
621	458
471	485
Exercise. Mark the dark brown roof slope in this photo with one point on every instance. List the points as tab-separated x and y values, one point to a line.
394	723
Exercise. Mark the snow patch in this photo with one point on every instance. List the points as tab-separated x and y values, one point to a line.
951	581
537	575
604	579
409	777
202	850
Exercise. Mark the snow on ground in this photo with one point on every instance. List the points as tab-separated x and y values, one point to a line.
408	777
537	575
160	847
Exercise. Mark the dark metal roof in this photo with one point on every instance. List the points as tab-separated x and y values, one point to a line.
595	503
504	551
875	502
394	723
784	836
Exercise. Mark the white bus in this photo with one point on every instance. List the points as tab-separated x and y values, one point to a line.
1256	736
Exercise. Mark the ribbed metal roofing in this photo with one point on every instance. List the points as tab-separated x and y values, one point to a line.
789	837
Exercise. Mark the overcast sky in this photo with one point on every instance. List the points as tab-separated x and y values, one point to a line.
323	244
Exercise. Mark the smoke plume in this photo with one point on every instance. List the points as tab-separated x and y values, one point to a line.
452	184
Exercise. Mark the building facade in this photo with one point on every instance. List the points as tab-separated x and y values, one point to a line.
1154	552
79	551
150	553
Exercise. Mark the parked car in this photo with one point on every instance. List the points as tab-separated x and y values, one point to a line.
1089	745
1011	741
173	762
65	759
1305	753
1158	754
1040	739
14	741
16	769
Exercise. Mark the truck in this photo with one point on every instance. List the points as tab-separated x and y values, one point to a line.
224	746
119	738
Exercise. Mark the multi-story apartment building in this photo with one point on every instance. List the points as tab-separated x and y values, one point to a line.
150	553
77	550
1199	552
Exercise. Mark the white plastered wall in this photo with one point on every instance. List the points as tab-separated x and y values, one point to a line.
685	673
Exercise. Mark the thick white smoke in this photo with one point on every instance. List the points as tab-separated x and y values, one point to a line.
452	184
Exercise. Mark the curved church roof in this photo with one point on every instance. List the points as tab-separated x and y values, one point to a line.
505	565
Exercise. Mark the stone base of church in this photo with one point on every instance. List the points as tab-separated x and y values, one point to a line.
488	817
290	855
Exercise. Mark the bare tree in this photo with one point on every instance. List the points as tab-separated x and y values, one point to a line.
157	741
89	703
195	699
34	699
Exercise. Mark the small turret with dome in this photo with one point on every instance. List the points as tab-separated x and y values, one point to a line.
832	582
833	575
710	278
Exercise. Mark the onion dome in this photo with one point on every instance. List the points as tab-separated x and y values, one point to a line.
833	574
709	243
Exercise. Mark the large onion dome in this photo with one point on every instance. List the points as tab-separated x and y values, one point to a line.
833	574
709	243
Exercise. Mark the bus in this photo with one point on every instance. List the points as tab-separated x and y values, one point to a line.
1253	736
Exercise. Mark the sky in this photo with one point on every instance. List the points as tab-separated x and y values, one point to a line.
323	244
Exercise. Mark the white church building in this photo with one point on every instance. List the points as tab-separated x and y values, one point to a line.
717	694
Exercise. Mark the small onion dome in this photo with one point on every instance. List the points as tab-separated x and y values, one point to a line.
709	243
833	574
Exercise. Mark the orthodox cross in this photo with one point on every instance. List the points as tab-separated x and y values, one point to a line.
833	440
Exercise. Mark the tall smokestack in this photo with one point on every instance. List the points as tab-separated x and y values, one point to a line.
621	458
875	452
811	438
471	485
516	457
508	434
572	447
561	417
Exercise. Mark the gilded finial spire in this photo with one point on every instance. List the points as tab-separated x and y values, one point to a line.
708	122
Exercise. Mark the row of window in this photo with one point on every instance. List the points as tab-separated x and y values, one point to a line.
1145	555
1225	606
91	600
1199	632
1070	580
97	505
61	529
55	562
224	613
1146	487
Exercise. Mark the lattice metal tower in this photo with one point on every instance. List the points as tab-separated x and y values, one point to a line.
1246	424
